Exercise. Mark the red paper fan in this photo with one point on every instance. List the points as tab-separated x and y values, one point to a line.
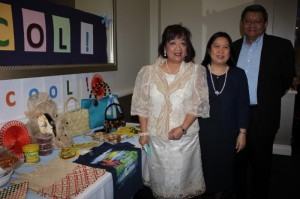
14	135
97	79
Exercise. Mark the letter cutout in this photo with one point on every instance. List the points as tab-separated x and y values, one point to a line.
34	31
62	34
30	29
53	92
33	91
61	46
87	39
8	101
7	40
68	88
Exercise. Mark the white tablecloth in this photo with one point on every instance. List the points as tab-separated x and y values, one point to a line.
102	188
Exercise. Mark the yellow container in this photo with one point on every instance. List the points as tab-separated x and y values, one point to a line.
31	153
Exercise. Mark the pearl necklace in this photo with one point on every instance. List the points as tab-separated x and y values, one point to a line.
170	70
212	81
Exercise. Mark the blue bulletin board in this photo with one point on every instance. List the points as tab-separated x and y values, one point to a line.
38	32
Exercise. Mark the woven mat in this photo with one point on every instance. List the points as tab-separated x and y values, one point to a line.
17	191
60	179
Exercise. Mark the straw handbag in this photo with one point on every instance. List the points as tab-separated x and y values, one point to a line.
77	121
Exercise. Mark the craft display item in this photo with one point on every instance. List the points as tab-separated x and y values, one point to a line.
16	191
96	107
130	131
42	138
75	149
63	137
60	179
67	152
42	114
111	138
45	152
97	78
114	118
39	104
46	124
8	159
45	143
46	146
76	121
31	153
14	135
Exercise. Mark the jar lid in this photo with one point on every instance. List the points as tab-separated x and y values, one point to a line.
43	137
30	148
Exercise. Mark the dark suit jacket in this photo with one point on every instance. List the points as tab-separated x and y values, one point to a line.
276	72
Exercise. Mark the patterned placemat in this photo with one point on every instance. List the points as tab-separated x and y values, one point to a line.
60	179
16	191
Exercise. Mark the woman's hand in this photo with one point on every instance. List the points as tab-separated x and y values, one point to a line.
241	141
144	140
176	133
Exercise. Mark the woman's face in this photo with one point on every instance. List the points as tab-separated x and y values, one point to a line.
220	51
176	50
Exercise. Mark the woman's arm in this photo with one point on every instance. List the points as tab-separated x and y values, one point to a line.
144	138
177	132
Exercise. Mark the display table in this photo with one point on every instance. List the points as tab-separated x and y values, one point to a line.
102	188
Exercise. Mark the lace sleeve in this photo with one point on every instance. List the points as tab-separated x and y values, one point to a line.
200	97
140	97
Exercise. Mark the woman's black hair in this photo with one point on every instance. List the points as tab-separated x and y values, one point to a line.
177	31
207	59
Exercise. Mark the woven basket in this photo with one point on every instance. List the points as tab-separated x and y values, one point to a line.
14	135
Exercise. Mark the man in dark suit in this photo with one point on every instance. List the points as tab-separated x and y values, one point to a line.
269	63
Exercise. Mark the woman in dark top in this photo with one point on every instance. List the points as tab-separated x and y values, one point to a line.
224	132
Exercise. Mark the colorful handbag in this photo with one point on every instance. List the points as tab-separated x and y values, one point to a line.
114	118
97	106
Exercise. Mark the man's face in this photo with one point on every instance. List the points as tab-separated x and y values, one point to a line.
253	25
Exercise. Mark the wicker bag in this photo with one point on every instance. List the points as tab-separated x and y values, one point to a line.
77	121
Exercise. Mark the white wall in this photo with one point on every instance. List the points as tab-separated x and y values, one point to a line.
205	17
133	43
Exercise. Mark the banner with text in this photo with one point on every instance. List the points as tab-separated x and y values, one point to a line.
38	32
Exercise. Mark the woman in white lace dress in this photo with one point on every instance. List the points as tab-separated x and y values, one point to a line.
168	97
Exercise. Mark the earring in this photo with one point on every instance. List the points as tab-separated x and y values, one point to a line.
165	53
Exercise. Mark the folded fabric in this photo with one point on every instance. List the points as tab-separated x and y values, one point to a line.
123	161
129	131
60	179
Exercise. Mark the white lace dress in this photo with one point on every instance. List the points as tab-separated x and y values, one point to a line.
174	169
